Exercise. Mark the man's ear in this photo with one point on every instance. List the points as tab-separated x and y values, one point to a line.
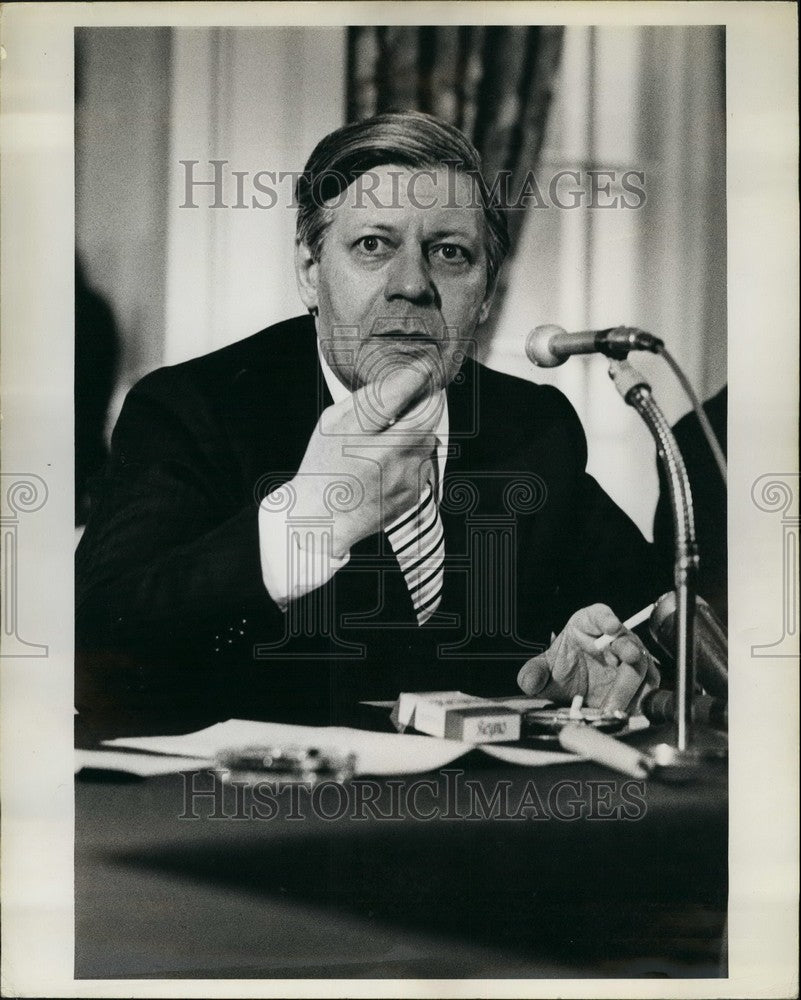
306	273
486	305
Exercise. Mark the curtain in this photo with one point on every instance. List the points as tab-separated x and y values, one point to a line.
494	83
649	99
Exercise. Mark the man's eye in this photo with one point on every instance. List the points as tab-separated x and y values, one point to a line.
370	244
450	252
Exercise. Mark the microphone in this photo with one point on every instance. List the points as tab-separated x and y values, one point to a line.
659	707
548	346
711	641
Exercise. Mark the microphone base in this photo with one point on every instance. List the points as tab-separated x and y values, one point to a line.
674	765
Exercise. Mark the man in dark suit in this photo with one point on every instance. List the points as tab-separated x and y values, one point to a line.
345	506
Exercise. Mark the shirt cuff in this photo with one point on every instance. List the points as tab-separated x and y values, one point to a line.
295	559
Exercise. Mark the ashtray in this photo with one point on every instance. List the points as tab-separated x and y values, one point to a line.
285	764
542	725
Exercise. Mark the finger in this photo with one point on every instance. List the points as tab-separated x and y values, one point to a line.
412	486
415	425
563	692
380	403
625	685
534	676
536	680
610	659
591	622
422	417
650	682
425	475
627	647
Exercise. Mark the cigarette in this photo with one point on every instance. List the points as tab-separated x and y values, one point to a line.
575	706
606	640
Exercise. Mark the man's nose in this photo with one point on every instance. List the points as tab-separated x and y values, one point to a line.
409	277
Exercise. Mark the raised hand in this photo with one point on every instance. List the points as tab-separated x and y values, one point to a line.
375	447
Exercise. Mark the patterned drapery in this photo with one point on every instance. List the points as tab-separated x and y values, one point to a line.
494	83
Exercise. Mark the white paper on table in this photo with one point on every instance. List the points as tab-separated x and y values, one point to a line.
144	765
376	753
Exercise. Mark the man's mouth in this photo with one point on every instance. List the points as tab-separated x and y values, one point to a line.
406	335
405	329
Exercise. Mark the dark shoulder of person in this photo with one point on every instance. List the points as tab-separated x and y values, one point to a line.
516	414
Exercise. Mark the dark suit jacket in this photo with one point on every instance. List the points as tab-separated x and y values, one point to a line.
171	608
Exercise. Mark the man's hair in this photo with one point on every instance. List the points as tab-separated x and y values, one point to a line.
408	139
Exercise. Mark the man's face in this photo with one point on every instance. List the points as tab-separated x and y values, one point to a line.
401	279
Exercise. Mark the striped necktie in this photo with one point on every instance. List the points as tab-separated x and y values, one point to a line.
418	541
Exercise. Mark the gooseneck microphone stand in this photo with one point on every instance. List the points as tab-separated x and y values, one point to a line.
637	393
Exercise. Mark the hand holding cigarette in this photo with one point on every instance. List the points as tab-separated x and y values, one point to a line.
595	656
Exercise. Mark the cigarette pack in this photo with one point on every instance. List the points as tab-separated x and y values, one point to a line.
454	715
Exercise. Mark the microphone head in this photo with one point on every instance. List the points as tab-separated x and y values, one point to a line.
661	624
538	346
711	641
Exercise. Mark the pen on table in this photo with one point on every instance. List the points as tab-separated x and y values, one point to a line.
605	749
605	640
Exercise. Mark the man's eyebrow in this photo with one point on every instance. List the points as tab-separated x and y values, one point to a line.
442	233
370	224
449	231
